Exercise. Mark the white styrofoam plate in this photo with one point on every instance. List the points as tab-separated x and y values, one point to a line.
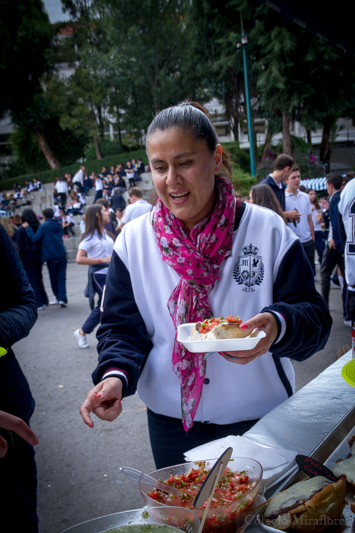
222	345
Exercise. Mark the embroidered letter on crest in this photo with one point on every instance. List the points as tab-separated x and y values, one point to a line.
249	269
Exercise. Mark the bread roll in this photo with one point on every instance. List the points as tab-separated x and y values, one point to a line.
222	330
308	506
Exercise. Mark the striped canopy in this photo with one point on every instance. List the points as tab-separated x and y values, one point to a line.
318	184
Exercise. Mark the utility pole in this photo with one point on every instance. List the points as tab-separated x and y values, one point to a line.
244	45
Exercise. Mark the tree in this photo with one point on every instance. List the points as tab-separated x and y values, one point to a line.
26	38
143	57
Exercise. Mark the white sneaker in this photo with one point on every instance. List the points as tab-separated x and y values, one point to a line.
62	304
81	339
54	302
347	323
40	308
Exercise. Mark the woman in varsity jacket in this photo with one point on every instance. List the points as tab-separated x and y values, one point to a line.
201	253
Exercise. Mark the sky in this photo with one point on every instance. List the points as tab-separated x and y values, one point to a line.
55	12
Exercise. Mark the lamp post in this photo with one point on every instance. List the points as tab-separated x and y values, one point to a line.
244	45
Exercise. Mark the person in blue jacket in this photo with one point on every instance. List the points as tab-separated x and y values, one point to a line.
50	233
18	314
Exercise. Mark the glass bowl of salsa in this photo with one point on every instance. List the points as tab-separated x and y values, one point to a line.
232	499
152	520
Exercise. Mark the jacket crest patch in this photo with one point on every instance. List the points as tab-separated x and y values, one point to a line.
249	269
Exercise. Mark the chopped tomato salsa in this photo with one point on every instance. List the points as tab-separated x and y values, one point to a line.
231	488
210	323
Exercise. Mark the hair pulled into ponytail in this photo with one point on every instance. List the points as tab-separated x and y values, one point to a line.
193	118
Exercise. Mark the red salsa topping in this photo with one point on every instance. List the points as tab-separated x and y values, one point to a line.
210	323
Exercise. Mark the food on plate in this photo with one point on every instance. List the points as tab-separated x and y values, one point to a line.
308	506
218	328
352	445
232	498
346	468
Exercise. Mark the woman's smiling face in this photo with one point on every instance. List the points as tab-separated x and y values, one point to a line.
183	171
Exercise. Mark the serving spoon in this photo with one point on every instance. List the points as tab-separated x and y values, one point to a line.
149	480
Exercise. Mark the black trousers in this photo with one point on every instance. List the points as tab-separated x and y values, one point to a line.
331	259
169	440
32	264
57	274
309	251
18	476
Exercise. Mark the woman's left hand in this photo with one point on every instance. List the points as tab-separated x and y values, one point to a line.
264	321
25	224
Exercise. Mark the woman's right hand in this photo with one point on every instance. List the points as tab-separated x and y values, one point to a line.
104	401
106	259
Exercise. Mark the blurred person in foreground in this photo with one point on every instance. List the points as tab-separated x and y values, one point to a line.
18	314
346	209
201	253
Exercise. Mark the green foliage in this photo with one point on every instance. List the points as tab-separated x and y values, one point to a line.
107	148
239	157
26	37
68	148
242	181
309	164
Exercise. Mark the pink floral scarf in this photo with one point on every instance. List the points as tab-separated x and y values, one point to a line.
196	256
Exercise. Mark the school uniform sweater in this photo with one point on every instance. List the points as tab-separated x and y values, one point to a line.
267	271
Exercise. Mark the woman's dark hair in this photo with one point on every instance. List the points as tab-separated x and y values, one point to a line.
263	195
92	221
315	203
30	217
194	118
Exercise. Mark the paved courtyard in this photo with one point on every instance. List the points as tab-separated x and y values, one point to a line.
78	467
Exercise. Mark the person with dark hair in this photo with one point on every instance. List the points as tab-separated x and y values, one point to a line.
68	224
117	200
98	183
50	234
37	185
264	196
130	173
333	253
140	166
95	250
299	201
201	253
61	187
283	165
18	314
31	257
109	226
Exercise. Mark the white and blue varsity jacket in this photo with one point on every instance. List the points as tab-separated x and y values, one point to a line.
267	271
